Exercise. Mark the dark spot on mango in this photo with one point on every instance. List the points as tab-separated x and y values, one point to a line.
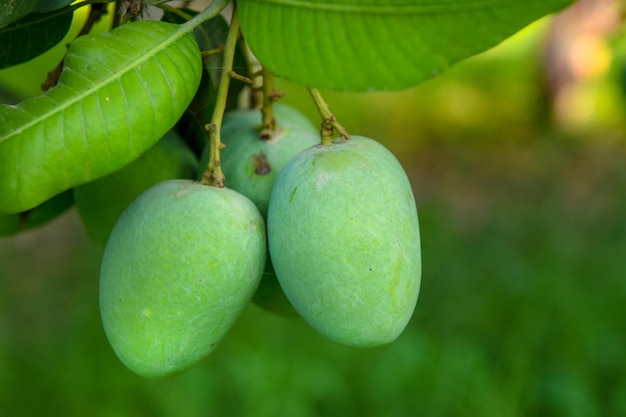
261	165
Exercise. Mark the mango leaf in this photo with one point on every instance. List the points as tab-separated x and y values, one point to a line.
33	35
47	211
47	5
364	45
12	10
119	93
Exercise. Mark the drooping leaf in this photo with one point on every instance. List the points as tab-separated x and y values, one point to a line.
33	35
363	45
12	10
48	5
118	94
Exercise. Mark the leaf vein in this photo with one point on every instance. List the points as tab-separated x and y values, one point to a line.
116	76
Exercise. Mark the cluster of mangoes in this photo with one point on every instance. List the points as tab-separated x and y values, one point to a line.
326	231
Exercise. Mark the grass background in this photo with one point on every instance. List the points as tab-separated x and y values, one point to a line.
521	311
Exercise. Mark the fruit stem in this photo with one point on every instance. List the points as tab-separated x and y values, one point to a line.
268	125
255	74
213	174
329	121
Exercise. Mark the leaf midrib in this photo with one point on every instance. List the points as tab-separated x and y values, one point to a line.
214	8
133	65
415	9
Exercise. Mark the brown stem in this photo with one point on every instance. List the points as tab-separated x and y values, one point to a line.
240	77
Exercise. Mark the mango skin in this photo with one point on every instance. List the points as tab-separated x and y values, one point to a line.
182	263
101	202
344	240
251	164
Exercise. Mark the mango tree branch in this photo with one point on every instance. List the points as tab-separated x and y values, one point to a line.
213	174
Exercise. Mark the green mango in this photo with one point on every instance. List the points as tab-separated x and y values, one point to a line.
269	296
48	210
344	240
101	202
181	264
251	165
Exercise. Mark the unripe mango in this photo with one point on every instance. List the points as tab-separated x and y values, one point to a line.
251	165
344	240
101	202
180	266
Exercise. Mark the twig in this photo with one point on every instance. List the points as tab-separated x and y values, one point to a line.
213	174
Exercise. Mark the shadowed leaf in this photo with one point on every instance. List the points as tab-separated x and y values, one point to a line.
47	5
12	10
33	35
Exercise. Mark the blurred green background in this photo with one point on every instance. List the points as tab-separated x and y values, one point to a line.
517	158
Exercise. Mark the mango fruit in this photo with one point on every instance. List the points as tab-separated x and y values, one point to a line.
181	264
101	202
251	165
344	240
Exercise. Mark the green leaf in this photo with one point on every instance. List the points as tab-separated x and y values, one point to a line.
33	35
49	210
12	10
48	5
364	45
119	93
